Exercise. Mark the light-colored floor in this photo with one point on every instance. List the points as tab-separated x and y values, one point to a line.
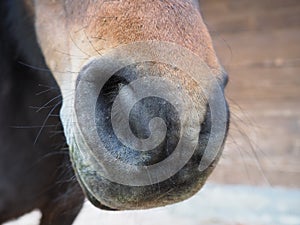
214	205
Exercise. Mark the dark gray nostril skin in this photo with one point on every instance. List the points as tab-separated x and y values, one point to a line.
139	119
140	148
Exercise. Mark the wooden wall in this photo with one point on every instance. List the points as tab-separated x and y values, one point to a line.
258	42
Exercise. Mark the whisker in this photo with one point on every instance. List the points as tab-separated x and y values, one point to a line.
55	153
32	127
79	47
45	121
51	100
68	54
215	34
44	69
39	108
55	115
47	86
45	91
253	149
34	67
90	42
241	155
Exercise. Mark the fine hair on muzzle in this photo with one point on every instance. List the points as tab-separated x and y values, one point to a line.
138	128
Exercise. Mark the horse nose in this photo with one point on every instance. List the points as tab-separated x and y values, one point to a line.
138	123
139	112
138	115
143	126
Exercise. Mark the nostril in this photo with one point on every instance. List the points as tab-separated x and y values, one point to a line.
148	108
149	112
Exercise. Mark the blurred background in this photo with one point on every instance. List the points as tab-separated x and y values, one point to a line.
258	42
257	180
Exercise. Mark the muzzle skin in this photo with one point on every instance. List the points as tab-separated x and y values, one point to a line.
143	111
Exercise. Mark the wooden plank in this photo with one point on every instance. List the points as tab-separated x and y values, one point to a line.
259	44
264	84
239	16
247	47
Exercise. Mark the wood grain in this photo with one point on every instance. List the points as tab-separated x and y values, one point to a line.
258	43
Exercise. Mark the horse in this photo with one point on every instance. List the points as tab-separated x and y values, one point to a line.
121	102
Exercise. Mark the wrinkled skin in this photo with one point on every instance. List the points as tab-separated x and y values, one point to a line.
51	46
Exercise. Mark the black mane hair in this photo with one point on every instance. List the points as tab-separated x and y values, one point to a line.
34	170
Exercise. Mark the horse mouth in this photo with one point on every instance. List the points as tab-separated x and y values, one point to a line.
111	196
97	203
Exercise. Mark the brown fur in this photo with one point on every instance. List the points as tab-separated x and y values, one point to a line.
94	29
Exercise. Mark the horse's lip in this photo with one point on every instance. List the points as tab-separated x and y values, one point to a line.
97	203
92	199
